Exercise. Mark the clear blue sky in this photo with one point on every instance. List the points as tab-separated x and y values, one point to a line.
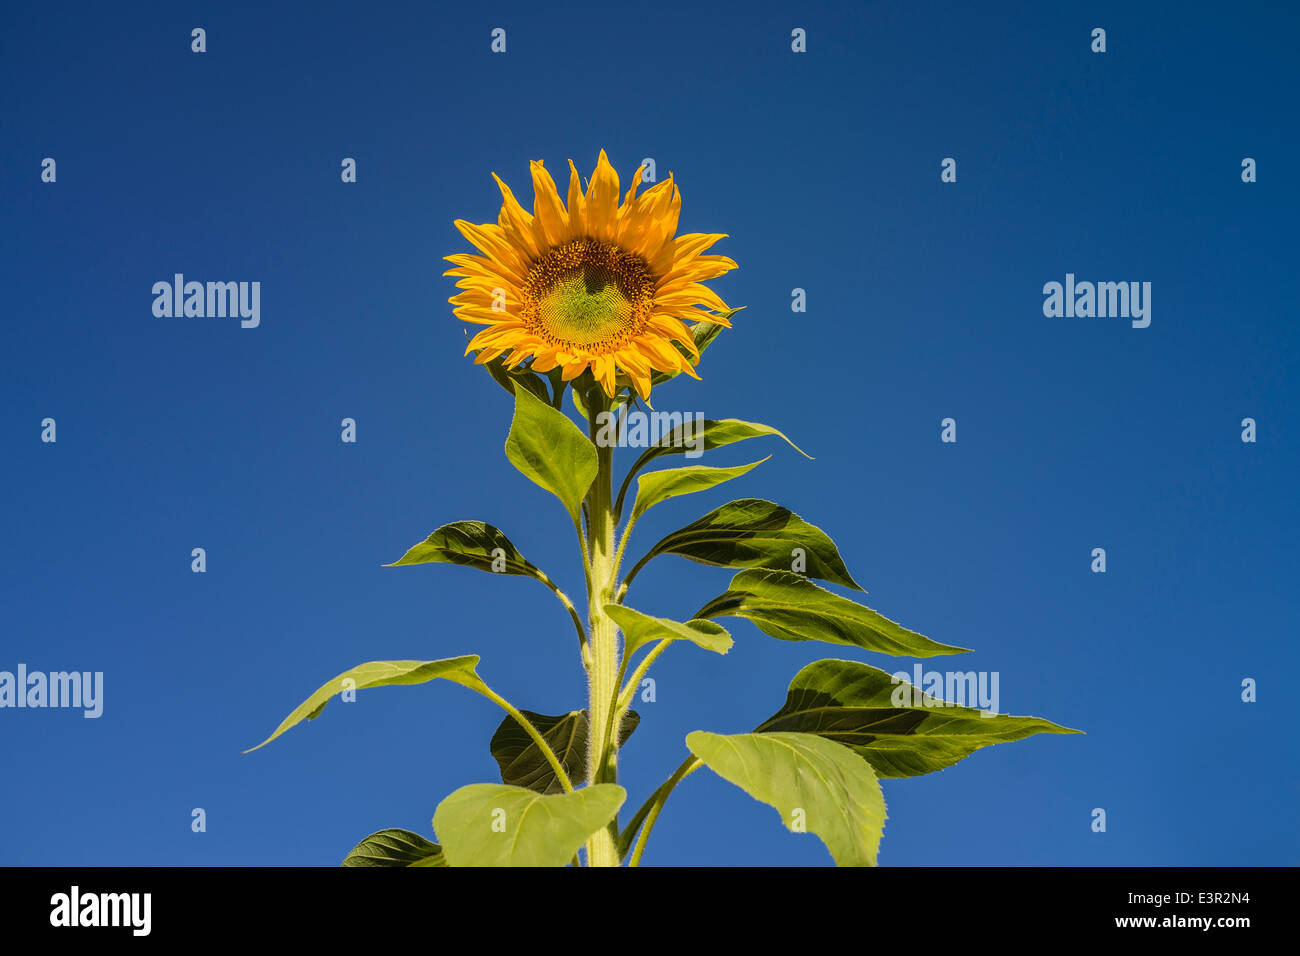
924	302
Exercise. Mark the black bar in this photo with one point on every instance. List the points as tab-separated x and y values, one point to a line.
240	905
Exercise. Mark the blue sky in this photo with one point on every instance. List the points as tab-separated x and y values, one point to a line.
924	302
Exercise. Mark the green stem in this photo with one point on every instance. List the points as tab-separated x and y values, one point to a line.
625	695
622	545
645	817
586	557
603	669
627	581
532	731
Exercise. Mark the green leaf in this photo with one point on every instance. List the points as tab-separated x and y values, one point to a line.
716	433
900	731
640	629
814	784
492	824
508	378
659	486
579	405
549	449
521	761
687	437
395	847
753	533
473	544
789	607
459	670
556	377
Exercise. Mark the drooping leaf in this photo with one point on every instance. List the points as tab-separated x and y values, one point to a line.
659	486
474	544
690	437
549	450
815	785
493	824
640	629
522	762
891	724
715	434
789	607
395	847
459	670
753	533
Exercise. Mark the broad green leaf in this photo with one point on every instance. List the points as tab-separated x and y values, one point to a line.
493	824
753	533
814	784
474	544
640	629
891	724
659	486
460	670
522	762
789	607
395	847
703	333
549	449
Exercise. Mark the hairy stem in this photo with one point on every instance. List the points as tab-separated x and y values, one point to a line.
603	669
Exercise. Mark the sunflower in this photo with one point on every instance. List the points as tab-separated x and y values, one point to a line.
597	285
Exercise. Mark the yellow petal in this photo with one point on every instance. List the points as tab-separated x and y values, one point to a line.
577	203
673	328
698	269
666	358
602	200
467	265
516	222
552	222
651	212
691	295
489	238
682	249
628	214
573	369
691	313
603	367
517	356
544	362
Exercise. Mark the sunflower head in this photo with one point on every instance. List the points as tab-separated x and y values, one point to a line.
593	284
